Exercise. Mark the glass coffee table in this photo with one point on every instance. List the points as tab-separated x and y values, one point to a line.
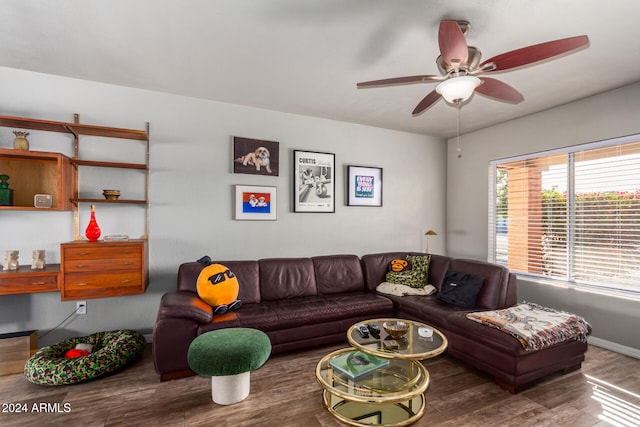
392	394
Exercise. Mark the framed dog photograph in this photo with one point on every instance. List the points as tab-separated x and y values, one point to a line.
255	202
364	186
255	156
313	181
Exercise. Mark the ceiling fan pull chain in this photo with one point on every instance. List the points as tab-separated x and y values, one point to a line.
458	149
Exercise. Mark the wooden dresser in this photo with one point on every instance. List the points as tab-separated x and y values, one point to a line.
103	269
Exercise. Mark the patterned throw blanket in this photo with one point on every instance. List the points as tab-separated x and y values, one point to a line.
535	326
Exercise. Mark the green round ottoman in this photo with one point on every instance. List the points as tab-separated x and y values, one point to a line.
228	356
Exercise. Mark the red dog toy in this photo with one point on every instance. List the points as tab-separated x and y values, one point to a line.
74	353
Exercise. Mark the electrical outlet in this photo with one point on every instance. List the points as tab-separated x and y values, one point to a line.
81	307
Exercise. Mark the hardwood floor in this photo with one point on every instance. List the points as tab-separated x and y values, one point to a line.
284	392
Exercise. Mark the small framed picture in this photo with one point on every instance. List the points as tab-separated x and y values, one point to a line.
255	156
255	202
364	186
313	181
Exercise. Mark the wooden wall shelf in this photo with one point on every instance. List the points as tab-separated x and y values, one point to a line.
123	201
24	280
38	172
141	166
73	128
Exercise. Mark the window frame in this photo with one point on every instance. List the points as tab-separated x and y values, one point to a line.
632	291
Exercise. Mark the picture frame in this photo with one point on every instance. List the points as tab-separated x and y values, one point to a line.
364	186
313	181
256	156
255	202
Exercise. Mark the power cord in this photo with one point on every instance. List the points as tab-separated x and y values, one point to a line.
75	311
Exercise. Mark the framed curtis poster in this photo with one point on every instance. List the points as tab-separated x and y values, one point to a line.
364	186
254	202
313	181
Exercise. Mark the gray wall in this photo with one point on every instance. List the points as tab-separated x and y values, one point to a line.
192	192
603	116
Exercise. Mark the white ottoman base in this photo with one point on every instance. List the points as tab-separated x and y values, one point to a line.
230	389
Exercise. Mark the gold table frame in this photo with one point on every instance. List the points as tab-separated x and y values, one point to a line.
389	396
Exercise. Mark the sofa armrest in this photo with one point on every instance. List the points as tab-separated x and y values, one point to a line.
185	304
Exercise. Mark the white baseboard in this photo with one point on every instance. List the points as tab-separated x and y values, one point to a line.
618	348
148	338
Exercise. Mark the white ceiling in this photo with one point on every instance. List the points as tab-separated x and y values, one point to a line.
306	56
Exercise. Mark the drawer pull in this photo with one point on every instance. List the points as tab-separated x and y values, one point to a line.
127	263
126	281
83	253
39	283
81	266
81	284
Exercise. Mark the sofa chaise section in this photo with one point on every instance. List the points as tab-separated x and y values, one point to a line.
487	349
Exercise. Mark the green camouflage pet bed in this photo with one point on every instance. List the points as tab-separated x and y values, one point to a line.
111	351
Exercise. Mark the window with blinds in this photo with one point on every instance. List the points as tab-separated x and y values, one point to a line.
571	215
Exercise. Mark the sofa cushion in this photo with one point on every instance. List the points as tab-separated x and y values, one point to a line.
426	309
496	280
403	290
376	266
399	264
282	278
438	267
248	279
535	326
295	312
460	289
486	335
186	305
217	285
416	277
188	273
338	273
257	316
319	309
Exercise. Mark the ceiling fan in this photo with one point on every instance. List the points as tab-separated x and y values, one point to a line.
459	64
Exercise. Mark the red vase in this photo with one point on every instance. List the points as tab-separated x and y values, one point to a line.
93	230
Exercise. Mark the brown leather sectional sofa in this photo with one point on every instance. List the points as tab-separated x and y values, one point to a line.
305	302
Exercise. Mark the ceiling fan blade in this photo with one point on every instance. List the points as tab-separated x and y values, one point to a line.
499	91
453	46
538	52
431	98
401	80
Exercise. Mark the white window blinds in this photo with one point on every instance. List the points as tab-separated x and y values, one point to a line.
572	215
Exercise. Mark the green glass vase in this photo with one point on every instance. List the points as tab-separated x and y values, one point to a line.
6	193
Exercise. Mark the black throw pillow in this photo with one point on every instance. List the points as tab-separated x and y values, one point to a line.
460	289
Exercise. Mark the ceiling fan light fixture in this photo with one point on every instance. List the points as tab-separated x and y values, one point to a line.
458	89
